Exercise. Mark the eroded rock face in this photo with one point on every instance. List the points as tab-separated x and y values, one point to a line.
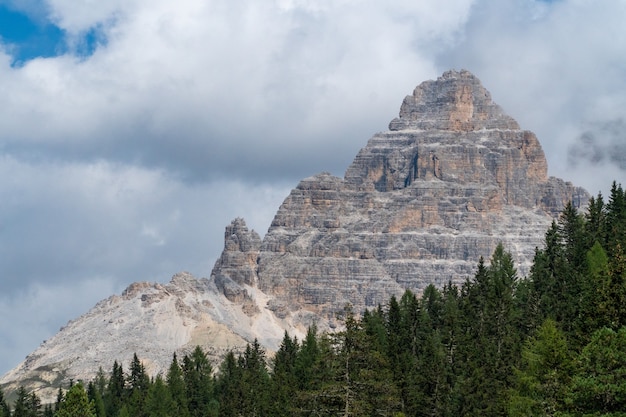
236	267
421	203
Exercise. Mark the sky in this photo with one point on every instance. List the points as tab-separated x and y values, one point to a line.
133	131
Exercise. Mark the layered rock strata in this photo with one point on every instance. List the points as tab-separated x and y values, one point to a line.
421	203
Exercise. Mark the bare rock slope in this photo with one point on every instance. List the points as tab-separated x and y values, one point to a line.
451	178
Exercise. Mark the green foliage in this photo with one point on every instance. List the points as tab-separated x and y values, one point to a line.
599	384
197	375
553	344
5	410
159	401
26	404
176	386
542	379
95	396
76	403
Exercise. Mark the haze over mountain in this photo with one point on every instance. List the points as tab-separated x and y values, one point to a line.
421	203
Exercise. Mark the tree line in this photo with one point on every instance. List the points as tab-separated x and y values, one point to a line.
550	344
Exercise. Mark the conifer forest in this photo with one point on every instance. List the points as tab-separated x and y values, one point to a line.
549	344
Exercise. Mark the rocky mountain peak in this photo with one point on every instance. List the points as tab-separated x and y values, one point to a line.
456	101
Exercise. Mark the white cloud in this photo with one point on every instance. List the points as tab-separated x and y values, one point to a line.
556	67
39	310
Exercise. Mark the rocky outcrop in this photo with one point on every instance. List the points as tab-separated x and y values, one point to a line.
236	267
152	320
421	203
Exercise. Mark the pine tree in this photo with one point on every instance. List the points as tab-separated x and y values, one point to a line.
115	391
229	386
159	402
197	374
255	381
306	359
96	398
616	217
598	387
284	381
492	340
76	403
137	385
541	382
48	411
5	410
596	222
20	407
359	382
176	386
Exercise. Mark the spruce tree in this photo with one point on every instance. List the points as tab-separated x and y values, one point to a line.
306	359
254	381
598	386
541	382
76	403
197	374
229	386
176	386
137	385
284	382
96	398
159	401
492	340
5	410
20	407
115	391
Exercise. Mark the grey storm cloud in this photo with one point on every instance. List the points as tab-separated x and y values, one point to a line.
126	165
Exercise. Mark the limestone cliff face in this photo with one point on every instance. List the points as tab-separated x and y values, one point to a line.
421	203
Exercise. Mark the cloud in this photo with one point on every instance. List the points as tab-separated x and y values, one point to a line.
174	82
67	222
43	309
552	68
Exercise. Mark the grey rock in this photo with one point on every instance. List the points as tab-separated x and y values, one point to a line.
420	204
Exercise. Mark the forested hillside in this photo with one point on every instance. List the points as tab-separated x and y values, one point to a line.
552	343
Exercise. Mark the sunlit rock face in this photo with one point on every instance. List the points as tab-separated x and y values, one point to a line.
421	203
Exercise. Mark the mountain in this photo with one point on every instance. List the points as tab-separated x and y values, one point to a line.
420	204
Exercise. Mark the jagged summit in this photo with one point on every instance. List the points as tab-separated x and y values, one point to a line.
456	101
452	178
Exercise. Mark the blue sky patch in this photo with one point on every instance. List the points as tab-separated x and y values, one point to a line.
25	38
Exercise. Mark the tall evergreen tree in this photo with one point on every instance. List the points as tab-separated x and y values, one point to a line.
76	403
115	391
159	401
492	341
229	386
598	386
541	382
137	385
176	386
307	357
197	374
96	398
255	381
284	381
5	410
